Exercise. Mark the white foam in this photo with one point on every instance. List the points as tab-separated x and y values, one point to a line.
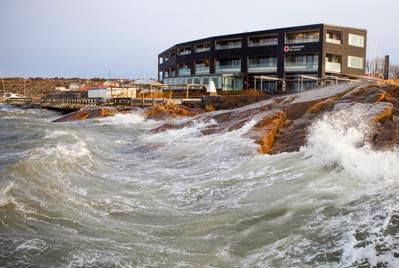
340	138
126	119
4	199
53	134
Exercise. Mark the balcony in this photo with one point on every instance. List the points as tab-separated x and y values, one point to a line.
302	37
184	71
333	67
228	44
262	68
185	51
334	41
228	68
301	67
302	40
202	70
262	41
202	48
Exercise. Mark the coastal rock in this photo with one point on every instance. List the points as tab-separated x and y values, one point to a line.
88	113
282	122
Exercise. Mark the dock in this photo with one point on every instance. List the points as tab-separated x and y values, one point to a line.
75	104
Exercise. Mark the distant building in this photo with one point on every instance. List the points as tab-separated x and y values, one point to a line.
111	92
293	58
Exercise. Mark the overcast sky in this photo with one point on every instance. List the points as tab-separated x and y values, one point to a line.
89	38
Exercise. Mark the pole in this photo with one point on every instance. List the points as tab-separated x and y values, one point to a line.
24	87
261	84
386	67
2	81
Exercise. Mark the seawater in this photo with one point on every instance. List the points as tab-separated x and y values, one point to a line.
110	193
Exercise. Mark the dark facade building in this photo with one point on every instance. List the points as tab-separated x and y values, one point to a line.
293	58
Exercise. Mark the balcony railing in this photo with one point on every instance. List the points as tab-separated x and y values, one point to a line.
184	52
334	41
257	68
268	42
202	70
185	71
202	49
228	46
302	40
290	67
228	68
333	67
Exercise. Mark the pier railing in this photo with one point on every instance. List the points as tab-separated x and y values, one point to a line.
70	104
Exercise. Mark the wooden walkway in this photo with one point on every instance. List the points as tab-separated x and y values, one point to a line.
74	104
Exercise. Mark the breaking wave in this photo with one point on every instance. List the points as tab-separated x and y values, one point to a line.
342	138
111	192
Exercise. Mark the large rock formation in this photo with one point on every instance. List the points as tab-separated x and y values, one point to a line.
282	122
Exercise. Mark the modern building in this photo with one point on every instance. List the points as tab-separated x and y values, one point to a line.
293	58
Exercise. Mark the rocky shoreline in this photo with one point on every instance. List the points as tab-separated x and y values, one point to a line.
282	122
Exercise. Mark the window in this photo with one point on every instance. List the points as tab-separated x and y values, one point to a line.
356	40
355	62
266	40
205	80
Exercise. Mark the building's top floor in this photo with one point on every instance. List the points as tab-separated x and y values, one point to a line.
315	33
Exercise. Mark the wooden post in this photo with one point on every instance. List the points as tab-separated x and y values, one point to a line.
386	67
186	91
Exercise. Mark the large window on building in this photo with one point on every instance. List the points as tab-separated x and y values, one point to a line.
264	40
356	40
262	64
301	63
228	44
228	65
355	62
302	37
202	47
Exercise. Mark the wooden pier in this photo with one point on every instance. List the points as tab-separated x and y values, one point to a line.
75	104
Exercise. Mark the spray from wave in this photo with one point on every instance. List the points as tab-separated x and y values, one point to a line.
342	138
4	199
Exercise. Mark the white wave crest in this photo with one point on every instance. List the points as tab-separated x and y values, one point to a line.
341	138
125	119
4	199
